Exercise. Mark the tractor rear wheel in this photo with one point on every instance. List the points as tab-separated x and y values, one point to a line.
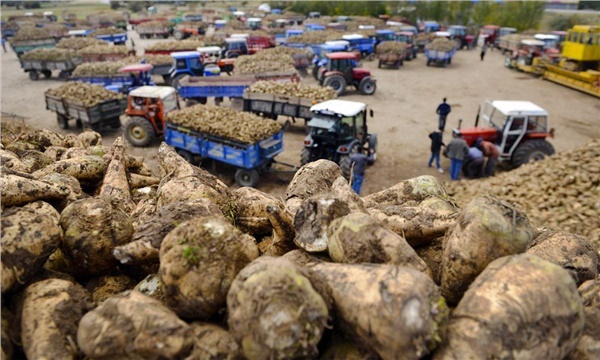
346	166
306	156
47	74
178	35
337	82
373	146
34	75
139	132
530	151
367	86
245	177
63	121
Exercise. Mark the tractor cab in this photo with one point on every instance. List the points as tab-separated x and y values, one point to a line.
528	50
551	44
491	34
209	54
518	128
139	75
147	109
186	63
458	33
254	23
235	46
339	128
341	70
320	60
384	35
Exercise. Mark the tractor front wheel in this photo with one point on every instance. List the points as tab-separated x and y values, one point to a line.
245	177
530	151
337	82
139	132
306	156
367	86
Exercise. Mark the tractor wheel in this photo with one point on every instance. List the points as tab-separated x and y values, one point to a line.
380	63
63	121
346	166
303	72
367	86
245	177
306	156
178	35
175	81
47	74
187	156
428	62
373	145
315	72
531	150
139	132
337	82
63	75
34	75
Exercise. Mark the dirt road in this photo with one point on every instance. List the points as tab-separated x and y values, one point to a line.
404	106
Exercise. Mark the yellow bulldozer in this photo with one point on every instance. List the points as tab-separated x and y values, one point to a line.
579	66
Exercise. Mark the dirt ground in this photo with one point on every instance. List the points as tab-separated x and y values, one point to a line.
404	107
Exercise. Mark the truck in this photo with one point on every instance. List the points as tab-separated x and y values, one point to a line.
20	47
273	105
45	67
162	31
97	117
248	159
441	58
518	128
579	66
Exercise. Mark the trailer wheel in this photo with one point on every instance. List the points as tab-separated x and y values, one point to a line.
428	62
47	74
34	75
187	156
139	132
63	75
306	156
245	177
303	73
63	121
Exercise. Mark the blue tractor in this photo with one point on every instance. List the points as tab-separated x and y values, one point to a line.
384	35
186	63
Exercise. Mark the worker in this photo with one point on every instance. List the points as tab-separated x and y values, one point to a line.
443	110
491	152
473	164
359	163
4	44
436	147
457	151
483	50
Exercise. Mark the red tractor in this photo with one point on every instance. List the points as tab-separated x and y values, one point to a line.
341	70
518	128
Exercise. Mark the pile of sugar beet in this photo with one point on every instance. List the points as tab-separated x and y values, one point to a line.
102	259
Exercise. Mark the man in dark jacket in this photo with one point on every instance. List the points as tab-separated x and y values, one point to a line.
443	110
436	147
359	162
457	151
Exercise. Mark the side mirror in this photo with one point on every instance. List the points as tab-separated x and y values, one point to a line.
371	112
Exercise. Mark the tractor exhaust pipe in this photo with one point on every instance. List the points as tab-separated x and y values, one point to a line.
477	117
459	123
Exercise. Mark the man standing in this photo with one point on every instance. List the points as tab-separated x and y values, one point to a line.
483	50
457	150
4	44
443	110
436	147
490	151
359	162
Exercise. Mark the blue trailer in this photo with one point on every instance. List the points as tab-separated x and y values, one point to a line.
197	90
117	39
293	32
314	27
248	159
442	58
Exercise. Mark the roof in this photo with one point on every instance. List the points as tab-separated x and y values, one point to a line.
239	39
254	19
79	32
136	68
343	107
457	27
158	92
353	37
366	27
208	49
238	36
406	33
384	31
491	27
442	33
546	37
220	21
508	28
184	54
341	55
340	43
509	107
533	42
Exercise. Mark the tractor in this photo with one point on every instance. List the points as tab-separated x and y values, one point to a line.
147	109
341	71
339	128
518	128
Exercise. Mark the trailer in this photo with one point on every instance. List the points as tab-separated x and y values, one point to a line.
20	47
249	159
117	39
392	60
159	32
271	106
45	67
103	57
97	117
442	58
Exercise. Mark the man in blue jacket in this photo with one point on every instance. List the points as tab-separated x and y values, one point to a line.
443	110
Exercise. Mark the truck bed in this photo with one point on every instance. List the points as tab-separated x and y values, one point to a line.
270	104
106	110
